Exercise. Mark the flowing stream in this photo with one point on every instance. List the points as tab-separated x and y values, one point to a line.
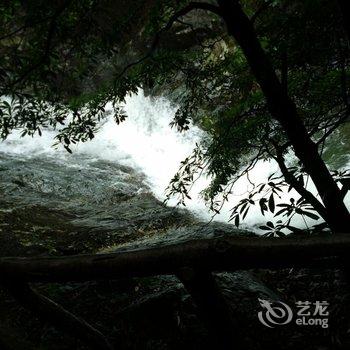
137	157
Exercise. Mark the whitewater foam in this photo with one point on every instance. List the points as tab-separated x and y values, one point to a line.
146	142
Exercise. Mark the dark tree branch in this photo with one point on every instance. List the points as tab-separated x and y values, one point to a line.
346	187
260	10
332	129
283	109
47	47
184	11
49	311
323	127
24	27
293	181
13	33
284	70
344	9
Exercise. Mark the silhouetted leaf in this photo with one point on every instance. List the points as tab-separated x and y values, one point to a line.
272	203
270	224
311	215
245	213
281	211
265	228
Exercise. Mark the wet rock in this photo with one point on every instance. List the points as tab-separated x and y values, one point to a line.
161	304
242	290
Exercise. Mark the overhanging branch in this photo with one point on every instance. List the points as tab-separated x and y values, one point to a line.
47	47
293	181
182	12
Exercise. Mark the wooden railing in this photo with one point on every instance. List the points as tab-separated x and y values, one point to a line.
192	262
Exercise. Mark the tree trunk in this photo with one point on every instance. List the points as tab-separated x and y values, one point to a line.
213	310
344	8
283	109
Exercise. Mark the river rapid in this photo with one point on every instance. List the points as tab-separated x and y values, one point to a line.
113	184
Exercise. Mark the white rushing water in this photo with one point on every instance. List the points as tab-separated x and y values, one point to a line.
147	143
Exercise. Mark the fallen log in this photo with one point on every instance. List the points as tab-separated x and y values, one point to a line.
219	254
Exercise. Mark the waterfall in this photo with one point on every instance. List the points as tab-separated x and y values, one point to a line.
146	143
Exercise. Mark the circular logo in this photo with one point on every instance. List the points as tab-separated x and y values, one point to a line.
275	313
